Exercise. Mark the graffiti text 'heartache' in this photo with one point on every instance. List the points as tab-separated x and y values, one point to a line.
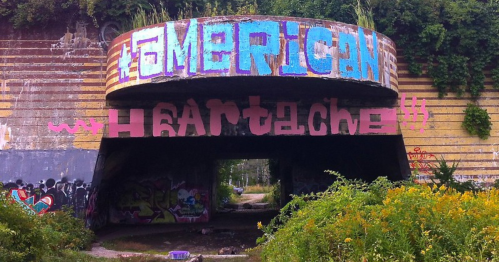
321	119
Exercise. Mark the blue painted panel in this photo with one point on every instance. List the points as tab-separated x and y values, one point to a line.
34	165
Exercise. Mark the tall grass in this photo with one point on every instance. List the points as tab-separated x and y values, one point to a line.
144	18
257	189
364	15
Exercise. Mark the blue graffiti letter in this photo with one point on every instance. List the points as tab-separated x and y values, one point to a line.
268	32
177	53
365	56
323	65
349	67
292	67
217	42
151	54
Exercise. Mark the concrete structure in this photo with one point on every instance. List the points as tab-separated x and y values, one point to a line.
132	136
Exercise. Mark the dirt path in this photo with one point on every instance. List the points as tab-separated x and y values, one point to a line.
251	198
235	228
98	251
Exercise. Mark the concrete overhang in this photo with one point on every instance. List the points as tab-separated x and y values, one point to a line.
248	55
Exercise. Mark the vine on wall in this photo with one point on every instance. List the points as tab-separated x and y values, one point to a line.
456	41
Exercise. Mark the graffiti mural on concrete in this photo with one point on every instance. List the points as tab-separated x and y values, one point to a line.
50	195
422	161
407	113
253	46
28	203
158	201
249	43
94	126
279	118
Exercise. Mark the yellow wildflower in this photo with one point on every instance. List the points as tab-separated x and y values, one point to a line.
259	225
423	252
347	240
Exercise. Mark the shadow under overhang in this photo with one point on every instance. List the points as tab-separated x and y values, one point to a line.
270	86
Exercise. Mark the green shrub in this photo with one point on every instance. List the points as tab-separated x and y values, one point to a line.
21	234
385	221
224	193
28	237
67	231
477	121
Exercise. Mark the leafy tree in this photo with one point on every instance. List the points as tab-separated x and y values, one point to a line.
457	39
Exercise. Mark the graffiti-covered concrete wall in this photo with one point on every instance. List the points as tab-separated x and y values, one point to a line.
73	116
258	46
159	201
52	86
432	129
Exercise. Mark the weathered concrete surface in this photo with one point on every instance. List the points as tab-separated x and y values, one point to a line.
32	166
52	85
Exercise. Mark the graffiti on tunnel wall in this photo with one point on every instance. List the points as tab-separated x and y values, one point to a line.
50	195
279	118
158	201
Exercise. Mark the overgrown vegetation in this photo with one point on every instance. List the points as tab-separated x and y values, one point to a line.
385	221
144	18
257	189
227	172
274	196
364	15
455	41
33	13
27	237
477	121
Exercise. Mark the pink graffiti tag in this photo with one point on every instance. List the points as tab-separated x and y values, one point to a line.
284	118
94	126
407	114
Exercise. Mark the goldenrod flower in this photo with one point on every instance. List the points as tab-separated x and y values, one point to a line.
259	225
347	240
